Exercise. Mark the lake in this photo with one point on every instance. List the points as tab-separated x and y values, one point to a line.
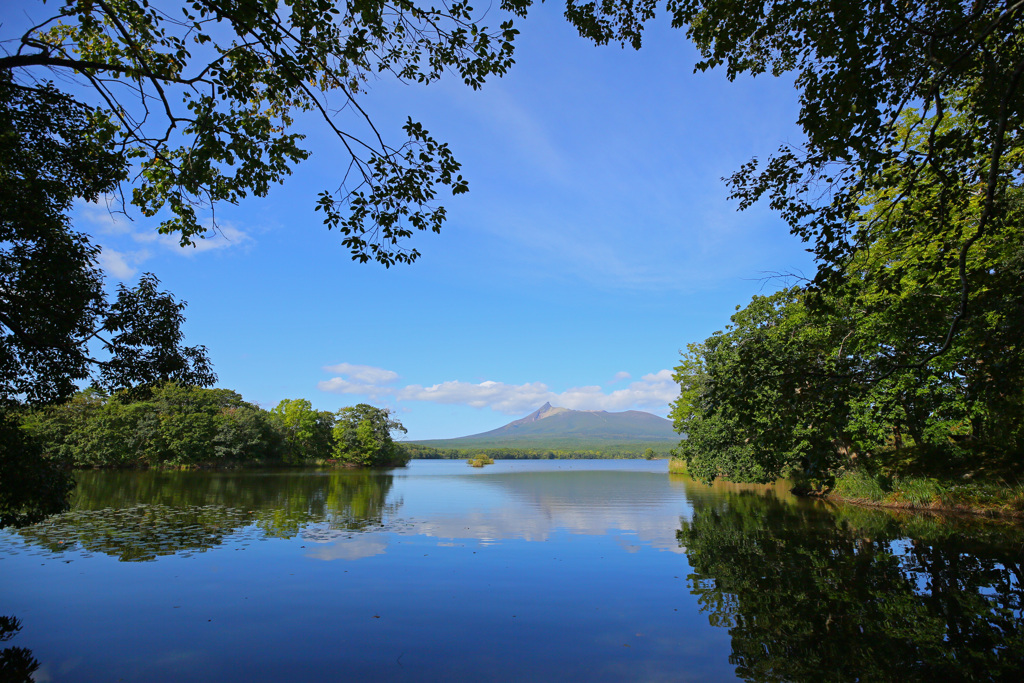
553	570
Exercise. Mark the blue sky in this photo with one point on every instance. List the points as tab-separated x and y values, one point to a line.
596	241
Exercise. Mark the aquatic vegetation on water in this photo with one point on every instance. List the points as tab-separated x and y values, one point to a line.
178	519
139	533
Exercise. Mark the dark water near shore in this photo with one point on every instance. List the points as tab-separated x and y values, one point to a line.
523	570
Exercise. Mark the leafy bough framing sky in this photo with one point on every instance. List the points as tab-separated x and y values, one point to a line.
126	246
597	238
652	392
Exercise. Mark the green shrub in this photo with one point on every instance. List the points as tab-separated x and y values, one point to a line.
677	466
918	491
858	485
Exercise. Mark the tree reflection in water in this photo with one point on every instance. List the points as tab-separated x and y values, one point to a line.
196	511
856	594
16	663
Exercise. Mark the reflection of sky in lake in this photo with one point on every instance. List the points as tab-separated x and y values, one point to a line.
530	503
522	570
346	548
519	571
633	502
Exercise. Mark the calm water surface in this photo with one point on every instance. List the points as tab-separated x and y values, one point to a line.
523	570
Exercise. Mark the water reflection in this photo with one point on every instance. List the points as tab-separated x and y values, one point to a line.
185	512
535	505
441	571
856	594
16	663
139	516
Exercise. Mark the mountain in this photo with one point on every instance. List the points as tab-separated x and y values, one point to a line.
560	428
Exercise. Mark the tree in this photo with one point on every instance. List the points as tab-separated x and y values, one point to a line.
52	305
51	151
753	404
171	425
307	432
949	71
362	436
179	112
53	311
182	111
45	350
782	388
907	188
196	103
31	486
144	342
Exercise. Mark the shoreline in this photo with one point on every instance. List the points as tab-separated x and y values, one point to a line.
989	500
931	508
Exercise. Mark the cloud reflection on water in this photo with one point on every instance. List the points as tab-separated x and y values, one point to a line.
639	509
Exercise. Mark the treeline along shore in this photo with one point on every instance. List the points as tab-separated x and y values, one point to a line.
627	451
171	425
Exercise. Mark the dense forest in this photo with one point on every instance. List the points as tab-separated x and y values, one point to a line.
184	426
901	355
903	358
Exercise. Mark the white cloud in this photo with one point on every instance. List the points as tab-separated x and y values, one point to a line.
510	399
364	380
116	233
363	373
619	376
223	236
656	389
339	385
106	220
652	391
116	263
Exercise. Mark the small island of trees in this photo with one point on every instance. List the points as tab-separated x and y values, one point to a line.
171	425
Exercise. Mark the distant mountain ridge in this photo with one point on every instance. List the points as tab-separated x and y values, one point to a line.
555	427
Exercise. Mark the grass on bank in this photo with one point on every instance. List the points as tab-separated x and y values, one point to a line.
859	486
677	466
992	496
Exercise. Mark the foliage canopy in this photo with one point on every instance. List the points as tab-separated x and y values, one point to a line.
920	102
174	108
197	101
188	426
818	377
907	189
362	436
